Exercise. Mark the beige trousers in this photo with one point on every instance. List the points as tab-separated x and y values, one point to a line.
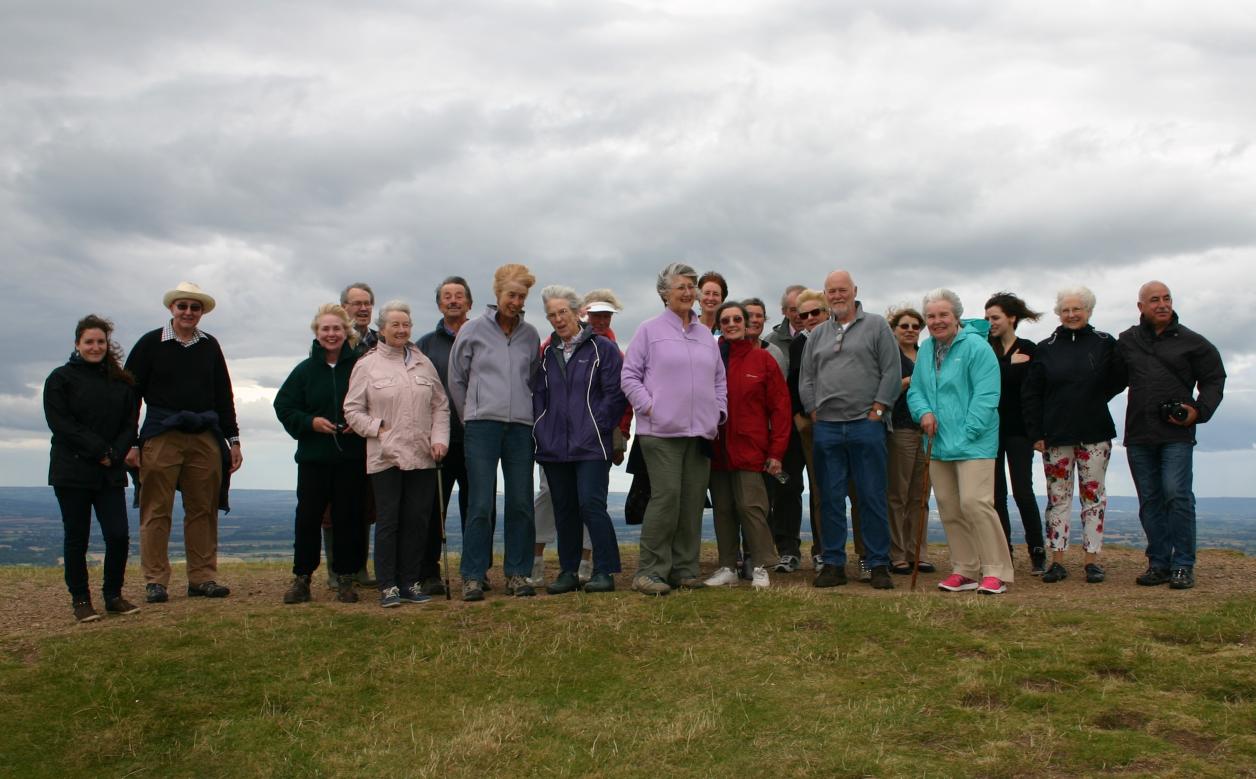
965	493
740	501
191	463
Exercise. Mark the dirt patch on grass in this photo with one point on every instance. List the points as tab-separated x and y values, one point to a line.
1195	742
1120	720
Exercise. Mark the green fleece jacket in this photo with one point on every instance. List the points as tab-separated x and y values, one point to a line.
316	389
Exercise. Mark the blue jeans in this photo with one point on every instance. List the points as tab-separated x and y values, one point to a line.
1163	477
485	443
578	491
852	451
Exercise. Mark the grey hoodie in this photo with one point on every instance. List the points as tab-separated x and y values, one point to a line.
841	385
490	374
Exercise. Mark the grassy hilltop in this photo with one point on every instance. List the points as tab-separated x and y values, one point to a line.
1051	680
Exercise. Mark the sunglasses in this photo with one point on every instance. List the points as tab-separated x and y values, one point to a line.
185	306
906	326
811	313
732	320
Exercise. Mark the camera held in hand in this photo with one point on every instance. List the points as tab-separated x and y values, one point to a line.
1174	410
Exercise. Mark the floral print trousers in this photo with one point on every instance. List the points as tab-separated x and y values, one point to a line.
1091	463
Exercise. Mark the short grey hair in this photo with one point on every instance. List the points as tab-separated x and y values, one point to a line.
790	290
561	292
381	318
664	282
940	294
362	285
1087	297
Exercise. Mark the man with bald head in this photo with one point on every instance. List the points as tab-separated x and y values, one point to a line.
1176	380
848	380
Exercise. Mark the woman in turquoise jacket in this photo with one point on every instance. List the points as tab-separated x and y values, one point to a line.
954	395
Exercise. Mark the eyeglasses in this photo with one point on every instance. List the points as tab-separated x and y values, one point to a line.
811	313
561	313
732	320
183	305
906	326
684	287
841	335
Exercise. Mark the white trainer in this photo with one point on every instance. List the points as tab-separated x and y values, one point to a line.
537	579
724	577
585	572
759	578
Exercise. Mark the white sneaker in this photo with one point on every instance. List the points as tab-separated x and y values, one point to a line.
585	572
759	578
537	579
787	564
816	563
724	577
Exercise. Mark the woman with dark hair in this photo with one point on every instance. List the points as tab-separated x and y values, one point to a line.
712	292
906	454
90	405
1004	311
751	441
331	467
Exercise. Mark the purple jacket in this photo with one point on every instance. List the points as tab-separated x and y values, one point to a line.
577	402
674	379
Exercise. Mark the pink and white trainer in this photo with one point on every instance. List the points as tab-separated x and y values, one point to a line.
957	583
992	585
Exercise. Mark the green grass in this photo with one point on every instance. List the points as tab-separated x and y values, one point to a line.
713	683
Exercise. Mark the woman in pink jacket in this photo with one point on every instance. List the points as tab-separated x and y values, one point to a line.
397	403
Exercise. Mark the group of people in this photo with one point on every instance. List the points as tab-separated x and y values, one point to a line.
725	409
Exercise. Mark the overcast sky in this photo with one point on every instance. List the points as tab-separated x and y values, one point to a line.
272	152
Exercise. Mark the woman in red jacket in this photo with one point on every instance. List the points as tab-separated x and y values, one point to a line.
752	441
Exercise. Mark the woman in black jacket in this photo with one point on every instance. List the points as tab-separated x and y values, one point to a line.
90	406
1072	376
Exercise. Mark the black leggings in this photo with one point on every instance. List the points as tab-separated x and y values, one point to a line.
340	486
76	514
1019	452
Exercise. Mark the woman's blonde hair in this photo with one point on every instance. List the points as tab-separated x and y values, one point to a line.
351	332
807	295
509	272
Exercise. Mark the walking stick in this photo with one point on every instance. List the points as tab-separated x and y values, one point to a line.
444	541
924	520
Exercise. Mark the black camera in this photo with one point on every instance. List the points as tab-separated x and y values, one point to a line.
1174	410
341	427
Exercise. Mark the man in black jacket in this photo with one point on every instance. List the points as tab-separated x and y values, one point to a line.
1165	363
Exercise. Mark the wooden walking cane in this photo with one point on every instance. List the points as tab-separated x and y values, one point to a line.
444	542
924	520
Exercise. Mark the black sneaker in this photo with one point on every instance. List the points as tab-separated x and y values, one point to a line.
1056	573
83	611
209	589
881	578
156	593
830	576
1094	573
1037	561
298	591
565	583
601	582
433	586
1153	577
1182	579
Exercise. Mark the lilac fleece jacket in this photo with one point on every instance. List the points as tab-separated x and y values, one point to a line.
674	379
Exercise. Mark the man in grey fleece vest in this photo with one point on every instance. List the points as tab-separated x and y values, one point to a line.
848	381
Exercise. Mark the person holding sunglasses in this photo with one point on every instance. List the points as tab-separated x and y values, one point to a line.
190	441
906	454
752	441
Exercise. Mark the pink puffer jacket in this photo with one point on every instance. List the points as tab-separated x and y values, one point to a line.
400	390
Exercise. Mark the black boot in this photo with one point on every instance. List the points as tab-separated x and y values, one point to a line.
299	590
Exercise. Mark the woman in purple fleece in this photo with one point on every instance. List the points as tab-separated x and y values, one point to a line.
674	379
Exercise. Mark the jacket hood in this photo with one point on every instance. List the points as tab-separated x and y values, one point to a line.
975	326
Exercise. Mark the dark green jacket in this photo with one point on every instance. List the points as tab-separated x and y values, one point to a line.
314	389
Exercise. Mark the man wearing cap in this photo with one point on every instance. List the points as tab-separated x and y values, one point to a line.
190	441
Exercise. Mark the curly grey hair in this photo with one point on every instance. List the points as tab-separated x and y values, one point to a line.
381	318
941	293
664	282
1087	297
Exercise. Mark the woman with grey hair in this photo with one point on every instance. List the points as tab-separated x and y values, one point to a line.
954	397
577	401
674	378
1071	378
397	403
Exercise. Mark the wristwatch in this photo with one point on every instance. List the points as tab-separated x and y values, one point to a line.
879	412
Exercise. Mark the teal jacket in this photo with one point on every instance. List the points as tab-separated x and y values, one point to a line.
963	395
314	389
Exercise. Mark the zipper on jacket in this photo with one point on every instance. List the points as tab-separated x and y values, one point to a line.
588	397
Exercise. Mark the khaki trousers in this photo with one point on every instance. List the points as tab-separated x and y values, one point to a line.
192	463
740	500
965	493
906	483
671	531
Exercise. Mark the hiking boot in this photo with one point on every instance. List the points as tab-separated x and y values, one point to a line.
83	611
212	589
519	587
1182	579
865	573
830	576
433	586
880	578
298	591
1037	561
414	594
759	578
1153	577
120	605
992	585
156	593
537	579
346	590
650	585
1056	573
723	577
365	579
585	572
787	564
565	583
600	582
1094	573
472	591
390	597
688	583
958	583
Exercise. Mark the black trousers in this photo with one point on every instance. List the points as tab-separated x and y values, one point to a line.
453	470
404	513
785	500
76	515
340	486
1018	451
